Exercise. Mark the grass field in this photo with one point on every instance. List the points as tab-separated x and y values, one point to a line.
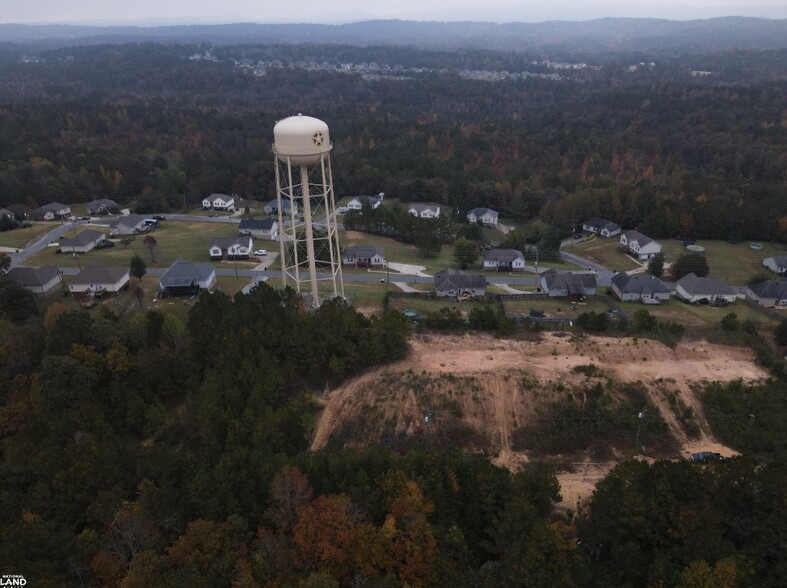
185	240
396	252
700	315
23	237
605	252
554	307
426	305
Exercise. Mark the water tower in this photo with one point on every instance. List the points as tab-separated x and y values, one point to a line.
308	239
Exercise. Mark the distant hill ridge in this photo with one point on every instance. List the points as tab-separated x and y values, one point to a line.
606	33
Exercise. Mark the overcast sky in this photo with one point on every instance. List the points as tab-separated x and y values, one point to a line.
157	12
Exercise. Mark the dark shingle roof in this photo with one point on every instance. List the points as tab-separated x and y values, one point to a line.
639	284
770	288
362	251
227	242
482	211
83	238
502	255
573	283
101	203
601	223
98	274
252	224
184	273
695	285
130	220
451	279
33	276
641	239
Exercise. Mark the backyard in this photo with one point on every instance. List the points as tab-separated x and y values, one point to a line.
606	252
555	307
23	237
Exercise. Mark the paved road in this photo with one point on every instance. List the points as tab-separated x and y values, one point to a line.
44	240
604	274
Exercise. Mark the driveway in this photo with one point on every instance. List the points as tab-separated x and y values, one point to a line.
404	268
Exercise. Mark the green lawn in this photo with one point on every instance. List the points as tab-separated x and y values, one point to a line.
555	307
231	285
22	237
425	305
605	252
365	296
186	240
701	315
733	263
396	252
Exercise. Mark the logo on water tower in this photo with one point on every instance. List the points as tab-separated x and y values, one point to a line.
317	139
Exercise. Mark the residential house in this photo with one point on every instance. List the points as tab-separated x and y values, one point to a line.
503	260
601	226
486	216
267	228
239	247
101	206
184	278
451	282
363	256
38	280
52	211
645	289
424	210
359	202
565	284
97	280
273	207
131	224
82	242
768	293
638	245
6	214
219	202
692	288
777	264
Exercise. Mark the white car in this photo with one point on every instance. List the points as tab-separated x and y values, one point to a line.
342	210
261	252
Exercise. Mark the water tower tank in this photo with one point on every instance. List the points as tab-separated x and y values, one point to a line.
301	138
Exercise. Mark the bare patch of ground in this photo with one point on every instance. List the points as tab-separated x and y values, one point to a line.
482	389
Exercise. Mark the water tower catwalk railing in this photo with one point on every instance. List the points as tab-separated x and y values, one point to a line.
309	248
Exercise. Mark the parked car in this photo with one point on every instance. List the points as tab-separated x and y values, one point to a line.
260	252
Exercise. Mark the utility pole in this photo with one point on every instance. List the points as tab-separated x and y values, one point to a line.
641	417
427	421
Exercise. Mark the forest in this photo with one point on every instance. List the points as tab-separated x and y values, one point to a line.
170	454
661	151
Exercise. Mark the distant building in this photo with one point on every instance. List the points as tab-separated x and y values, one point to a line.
777	264
82	242
359	202
645	289
131	224
565	284
486	216
363	256
273	207
503	259
450	283
770	293
266	228
38	280
101	206
52	211
601	226
219	202
99	280
231	247
638	245
424	210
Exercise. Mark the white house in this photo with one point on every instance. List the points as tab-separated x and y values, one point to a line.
769	293
424	210
183	278
503	260
450	282
219	202
98	280
645	289
130	224
82	242
363	256
239	247
692	288
273	207
639	245
266	228
38	280
561	284
486	216
52	211
601	226
777	264
359	202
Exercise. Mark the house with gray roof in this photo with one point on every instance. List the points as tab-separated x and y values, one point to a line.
266	228
219	202
359	202
638	245
52	211
692	288
286	207
770	293
101	206
82	242
38	280
601	226
131	224
557	284
239	247
777	264
643	288
363	256
97	280
184	278
486	216
424	210
504	260
450	283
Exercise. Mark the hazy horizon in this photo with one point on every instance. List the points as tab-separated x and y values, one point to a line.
146	13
